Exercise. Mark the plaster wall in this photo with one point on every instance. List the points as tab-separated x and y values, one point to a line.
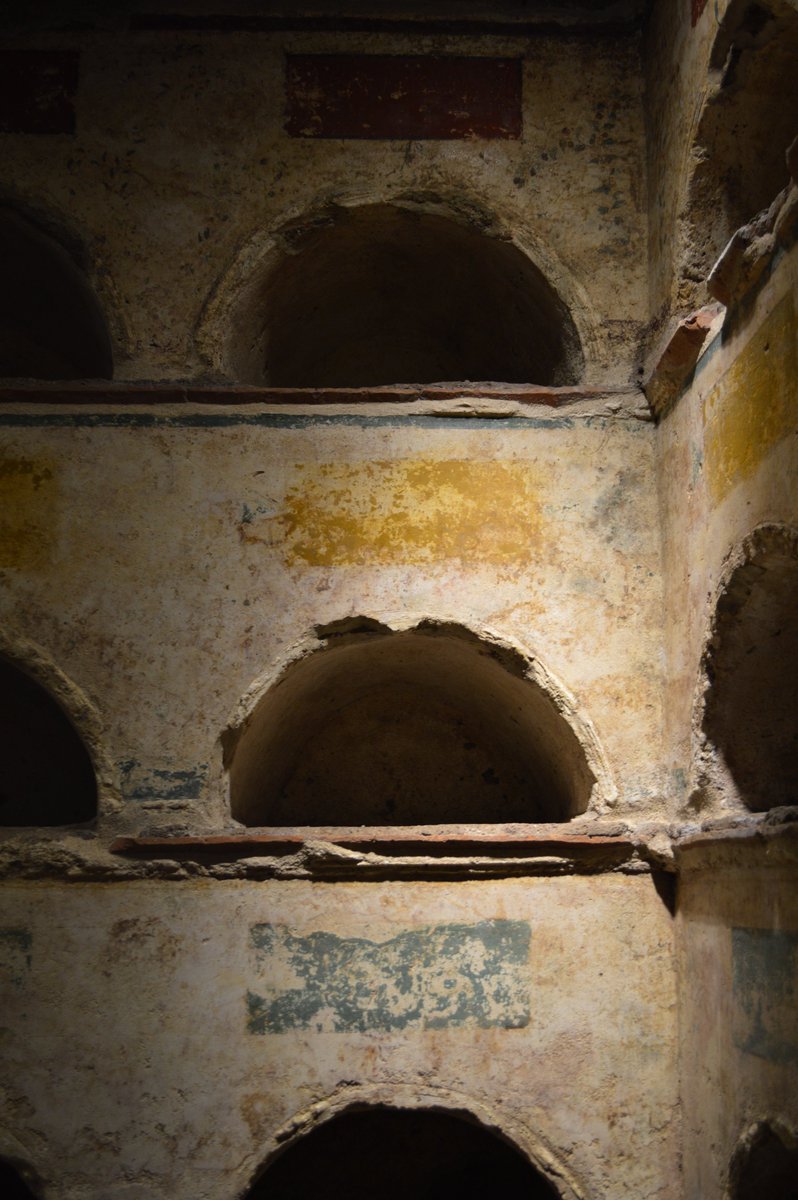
727	464
168	1085
728	459
168	1029
180	173
720	103
165	561
676	58
737	932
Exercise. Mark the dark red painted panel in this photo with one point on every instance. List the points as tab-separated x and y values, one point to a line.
698	8
37	91
404	97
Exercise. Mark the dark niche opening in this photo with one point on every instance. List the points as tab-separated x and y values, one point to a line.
751	715
765	1167
406	728
393	1154
382	295
51	323
47	776
12	1185
746	127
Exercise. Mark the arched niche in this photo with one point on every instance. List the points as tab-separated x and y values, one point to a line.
13	1185
750	717
51	323
745	128
765	1164
428	725
379	294
46	774
401	1153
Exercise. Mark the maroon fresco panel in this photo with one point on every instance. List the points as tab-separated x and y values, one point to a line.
403	97
37	91
698	7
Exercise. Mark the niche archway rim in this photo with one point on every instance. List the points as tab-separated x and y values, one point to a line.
79	244
20	1163
36	662
265	248
747	1140
701	161
706	794
532	671
530	1145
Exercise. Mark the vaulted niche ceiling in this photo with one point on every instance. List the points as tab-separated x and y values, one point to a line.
12	1185
46	775
396	1154
51	323
766	1165
746	126
751	717
406	729
381	295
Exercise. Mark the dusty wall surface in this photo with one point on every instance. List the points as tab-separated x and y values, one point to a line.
728	461
163	565
737	933
178	179
161	1040
720	102
226	537
676	63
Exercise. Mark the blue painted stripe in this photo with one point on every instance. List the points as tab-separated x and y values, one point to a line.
152	420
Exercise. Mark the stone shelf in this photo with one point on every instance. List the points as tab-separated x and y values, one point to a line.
101	392
390	852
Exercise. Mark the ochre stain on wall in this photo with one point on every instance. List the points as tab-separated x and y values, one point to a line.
413	511
754	405
27	513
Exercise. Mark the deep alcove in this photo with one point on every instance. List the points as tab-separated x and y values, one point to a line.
404	729
381	295
51	323
46	777
393	1154
751	716
766	1167
746	127
12	1186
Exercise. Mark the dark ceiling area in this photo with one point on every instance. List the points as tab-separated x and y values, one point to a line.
499	17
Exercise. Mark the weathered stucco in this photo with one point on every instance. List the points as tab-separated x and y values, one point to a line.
738	947
443	726
206	1095
251	529
180	214
727	468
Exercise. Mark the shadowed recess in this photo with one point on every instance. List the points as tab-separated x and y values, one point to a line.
752	710
746	127
381	295
46	776
393	1154
403	729
765	1167
51	323
12	1186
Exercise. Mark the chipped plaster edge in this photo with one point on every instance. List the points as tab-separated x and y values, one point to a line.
706	792
423	1097
513	655
85	718
254	260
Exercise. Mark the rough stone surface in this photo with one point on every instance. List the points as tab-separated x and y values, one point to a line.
443	729
169	966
